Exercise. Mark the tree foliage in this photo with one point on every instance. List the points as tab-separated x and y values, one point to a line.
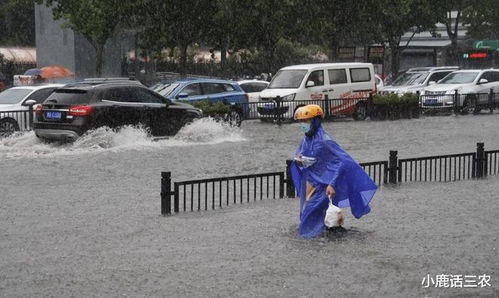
482	19
17	23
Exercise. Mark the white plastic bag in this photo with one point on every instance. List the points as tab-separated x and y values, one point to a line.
334	216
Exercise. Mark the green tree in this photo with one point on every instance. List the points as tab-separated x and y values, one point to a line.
95	20
168	23
17	23
482	19
451	15
393	18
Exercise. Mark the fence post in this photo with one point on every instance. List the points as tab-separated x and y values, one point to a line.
326	106
370	105
290	186
393	167
456	102
166	186
480	160
30	116
281	185
491	100
175	198
278	110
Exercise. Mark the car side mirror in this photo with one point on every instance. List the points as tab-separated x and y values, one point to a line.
432	83
483	81
29	102
310	84
182	95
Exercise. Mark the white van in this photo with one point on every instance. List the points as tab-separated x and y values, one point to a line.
345	84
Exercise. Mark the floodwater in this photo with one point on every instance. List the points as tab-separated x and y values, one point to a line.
83	219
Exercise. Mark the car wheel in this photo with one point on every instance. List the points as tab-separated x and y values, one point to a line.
234	118
360	112
8	127
468	105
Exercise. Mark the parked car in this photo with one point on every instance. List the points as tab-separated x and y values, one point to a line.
349	82
74	109
416	79
15	103
253	88
379	82
471	85
212	90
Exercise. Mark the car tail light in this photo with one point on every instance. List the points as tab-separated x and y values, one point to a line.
39	110
80	110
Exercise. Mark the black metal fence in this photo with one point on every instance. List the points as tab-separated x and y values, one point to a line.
277	109
460	103
216	193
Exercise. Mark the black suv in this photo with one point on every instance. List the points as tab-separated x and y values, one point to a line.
72	110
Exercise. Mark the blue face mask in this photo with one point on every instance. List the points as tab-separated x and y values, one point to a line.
305	127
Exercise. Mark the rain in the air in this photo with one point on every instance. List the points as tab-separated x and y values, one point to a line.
223	148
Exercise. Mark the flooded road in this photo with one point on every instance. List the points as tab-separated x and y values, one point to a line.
83	219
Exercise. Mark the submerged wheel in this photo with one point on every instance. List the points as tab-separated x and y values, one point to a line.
234	118
360	112
469	105
8	127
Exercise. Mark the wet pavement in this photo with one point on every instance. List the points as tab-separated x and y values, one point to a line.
83	219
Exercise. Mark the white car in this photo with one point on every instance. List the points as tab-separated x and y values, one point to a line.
472	86
15	103
416	79
253	88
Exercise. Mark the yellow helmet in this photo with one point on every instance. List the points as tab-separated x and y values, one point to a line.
308	112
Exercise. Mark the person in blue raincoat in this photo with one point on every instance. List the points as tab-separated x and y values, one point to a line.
323	171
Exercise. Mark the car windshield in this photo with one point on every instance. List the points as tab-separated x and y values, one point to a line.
287	79
12	96
409	78
166	89
459	78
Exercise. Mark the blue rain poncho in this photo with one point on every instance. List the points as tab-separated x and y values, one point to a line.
333	166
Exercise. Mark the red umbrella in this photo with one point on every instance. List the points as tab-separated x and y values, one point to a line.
55	71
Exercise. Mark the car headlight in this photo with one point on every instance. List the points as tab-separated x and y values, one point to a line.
289	97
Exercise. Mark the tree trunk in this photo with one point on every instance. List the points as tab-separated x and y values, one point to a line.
395	59
99	59
183	59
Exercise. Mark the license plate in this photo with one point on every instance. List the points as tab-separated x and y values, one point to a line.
53	115
268	106
431	101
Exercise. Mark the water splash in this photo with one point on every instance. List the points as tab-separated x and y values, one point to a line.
204	131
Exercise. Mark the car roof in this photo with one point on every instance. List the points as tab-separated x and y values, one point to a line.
201	80
99	83
431	68
322	65
476	70
253	81
38	87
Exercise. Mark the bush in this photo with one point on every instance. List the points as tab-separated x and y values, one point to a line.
393	107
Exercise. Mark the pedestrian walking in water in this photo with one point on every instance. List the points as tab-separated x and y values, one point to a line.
325	176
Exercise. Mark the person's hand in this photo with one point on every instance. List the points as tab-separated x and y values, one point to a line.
330	192
299	163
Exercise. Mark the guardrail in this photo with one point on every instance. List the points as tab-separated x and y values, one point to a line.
12	121
216	193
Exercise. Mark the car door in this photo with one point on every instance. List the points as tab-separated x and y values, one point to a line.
190	92
485	87
319	89
214	92
123	107
339	87
156	117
